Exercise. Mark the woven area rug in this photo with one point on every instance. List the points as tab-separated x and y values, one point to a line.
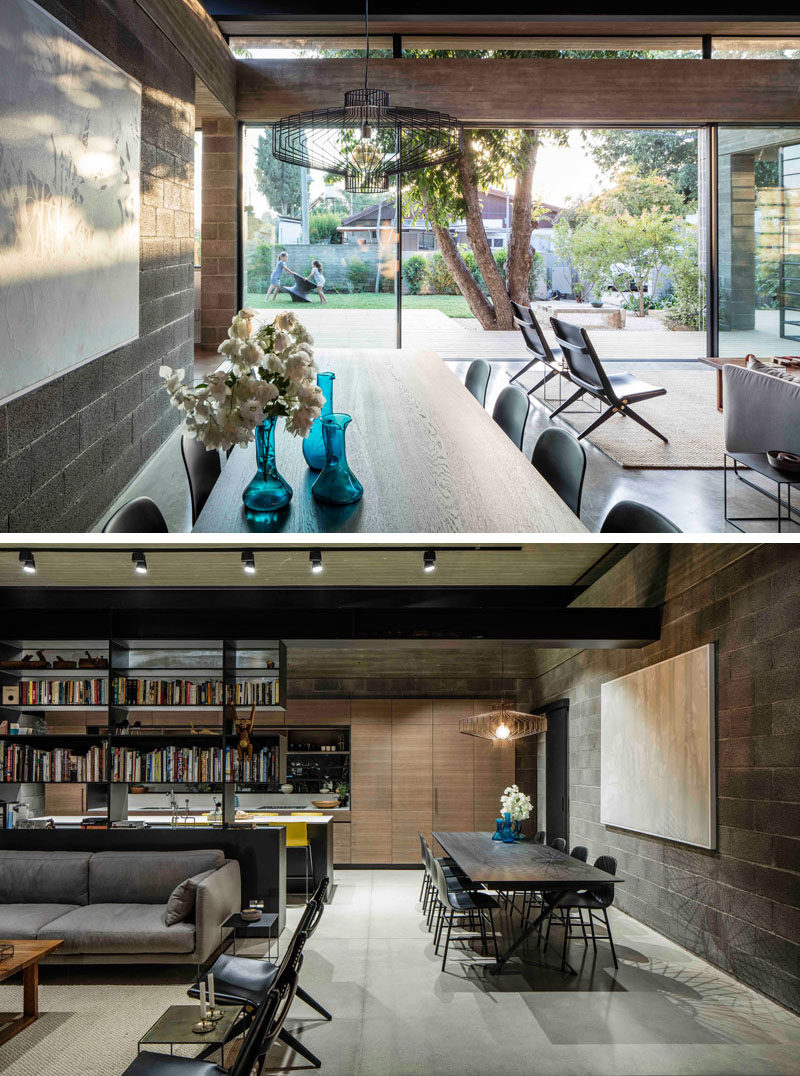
87	1029
687	415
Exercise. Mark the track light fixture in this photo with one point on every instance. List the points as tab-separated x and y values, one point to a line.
429	560
249	562
27	561
139	562
315	557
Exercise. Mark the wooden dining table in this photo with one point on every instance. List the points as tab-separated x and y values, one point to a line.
523	865
430	458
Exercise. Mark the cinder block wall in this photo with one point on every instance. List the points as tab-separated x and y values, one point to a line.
68	449
219	247
739	906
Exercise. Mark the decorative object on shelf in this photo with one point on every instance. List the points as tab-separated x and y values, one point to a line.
336	484
10	695
250	914
244	730
270	376
90	662
314	444
502	724
64	663
287	789
325	805
343	791
517	807
27	662
6	951
367	140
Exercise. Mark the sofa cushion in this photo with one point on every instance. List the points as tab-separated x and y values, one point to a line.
774	371
44	877
146	877
26	920
180	905
119	928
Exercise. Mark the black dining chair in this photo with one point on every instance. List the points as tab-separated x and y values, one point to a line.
540	351
616	391
477	379
139	516
264	1028
633	517
560	459
511	413
456	905
559	844
203	468
244	981
539	836
595	900
580	852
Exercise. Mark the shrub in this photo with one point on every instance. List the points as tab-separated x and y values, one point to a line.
322	225
686	304
439	281
260	263
360	275
415	272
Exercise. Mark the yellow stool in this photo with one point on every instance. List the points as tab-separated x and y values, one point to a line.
297	837
316	814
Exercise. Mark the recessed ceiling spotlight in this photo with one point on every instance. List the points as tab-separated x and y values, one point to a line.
315	557
249	562
429	560
27	561
139	562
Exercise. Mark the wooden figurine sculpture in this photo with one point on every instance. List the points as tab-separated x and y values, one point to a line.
244	729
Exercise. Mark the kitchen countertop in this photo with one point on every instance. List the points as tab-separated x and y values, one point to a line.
259	818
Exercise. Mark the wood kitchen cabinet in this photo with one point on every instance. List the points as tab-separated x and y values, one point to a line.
371	781
453	766
493	770
412	777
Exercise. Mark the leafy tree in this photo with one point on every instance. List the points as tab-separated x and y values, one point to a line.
415	271
687	301
322	224
277	181
634	193
672	154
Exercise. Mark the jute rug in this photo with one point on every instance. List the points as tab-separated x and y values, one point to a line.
687	416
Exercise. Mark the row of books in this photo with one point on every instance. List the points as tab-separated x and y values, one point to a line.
145	692
201	764
90	692
19	762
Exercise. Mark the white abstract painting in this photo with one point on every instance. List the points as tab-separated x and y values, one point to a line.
657	750
70	129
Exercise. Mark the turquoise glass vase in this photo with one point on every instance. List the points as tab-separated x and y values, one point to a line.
336	483
314	444
517	826
508	830
498	830
268	489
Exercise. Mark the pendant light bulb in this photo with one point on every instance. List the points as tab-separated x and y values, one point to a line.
502	732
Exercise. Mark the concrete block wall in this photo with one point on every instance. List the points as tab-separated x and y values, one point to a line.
738	906
219	227
68	449
737	269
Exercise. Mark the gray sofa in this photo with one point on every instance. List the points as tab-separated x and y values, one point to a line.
109	906
762	411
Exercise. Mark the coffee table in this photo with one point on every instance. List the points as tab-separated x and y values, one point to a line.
27	954
174	1027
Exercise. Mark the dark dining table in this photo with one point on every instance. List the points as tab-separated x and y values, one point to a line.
525	866
430	458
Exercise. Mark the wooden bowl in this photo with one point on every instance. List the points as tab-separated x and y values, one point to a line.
325	804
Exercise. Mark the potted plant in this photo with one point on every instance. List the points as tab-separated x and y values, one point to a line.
342	791
517	806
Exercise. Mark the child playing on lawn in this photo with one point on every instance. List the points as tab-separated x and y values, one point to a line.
316	277
281	266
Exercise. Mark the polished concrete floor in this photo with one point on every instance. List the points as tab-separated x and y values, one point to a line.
396	1013
664	1012
692	499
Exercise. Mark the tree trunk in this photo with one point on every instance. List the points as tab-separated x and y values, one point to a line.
465	281
476	233
520	255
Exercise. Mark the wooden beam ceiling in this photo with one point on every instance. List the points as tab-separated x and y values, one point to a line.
197	37
537	92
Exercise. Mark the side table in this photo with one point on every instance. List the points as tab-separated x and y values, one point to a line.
174	1028
251	928
758	463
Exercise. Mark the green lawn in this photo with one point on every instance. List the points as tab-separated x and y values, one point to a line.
454	306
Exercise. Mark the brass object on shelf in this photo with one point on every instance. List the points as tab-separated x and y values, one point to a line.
93	663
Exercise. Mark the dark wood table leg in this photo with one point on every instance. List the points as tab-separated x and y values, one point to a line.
719	388
30	1005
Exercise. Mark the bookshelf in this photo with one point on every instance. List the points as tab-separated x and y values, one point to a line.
149	712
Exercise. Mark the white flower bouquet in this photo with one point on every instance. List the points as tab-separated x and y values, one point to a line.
516	804
271	375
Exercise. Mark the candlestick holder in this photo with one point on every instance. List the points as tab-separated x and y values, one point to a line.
202	1027
214	1014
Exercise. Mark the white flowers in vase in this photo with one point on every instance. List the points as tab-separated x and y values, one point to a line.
516	804
272	375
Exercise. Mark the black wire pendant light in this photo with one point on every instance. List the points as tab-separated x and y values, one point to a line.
368	140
